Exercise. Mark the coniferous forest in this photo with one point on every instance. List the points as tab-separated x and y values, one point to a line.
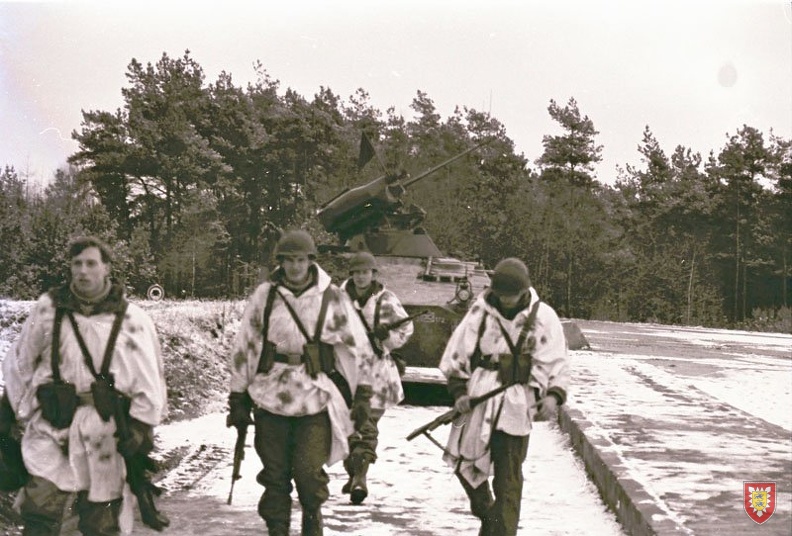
190	179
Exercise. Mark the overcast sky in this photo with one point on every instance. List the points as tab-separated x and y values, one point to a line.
694	71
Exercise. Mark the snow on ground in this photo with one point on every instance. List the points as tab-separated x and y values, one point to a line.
412	492
693	428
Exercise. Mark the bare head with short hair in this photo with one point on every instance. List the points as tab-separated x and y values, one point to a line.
81	243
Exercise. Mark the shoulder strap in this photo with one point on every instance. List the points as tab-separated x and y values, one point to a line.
527	327
268	312
55	354
377	308
111	341
322	313
108	354
319	321
517	348
266	346
295	317
363	319
475	358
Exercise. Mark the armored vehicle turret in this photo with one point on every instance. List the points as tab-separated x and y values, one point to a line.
373	217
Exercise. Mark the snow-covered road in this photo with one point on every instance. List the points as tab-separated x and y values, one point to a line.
412	492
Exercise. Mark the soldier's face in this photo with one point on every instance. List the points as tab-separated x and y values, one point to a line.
510	301
296	267
362	278
89	272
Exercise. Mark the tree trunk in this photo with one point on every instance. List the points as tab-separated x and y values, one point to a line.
690	287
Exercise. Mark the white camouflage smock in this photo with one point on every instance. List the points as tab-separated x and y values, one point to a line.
84	455
289	390
513	410
385	380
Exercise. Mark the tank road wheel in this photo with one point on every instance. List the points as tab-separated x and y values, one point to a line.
155	293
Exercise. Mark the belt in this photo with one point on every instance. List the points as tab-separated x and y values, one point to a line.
289	359
488	363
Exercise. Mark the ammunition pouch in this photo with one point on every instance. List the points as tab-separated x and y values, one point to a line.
318	357
312	358
267	358
104	397
58	402
511	371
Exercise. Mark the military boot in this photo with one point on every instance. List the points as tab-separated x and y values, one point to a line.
312	524
348	486
486	527
358	490
277	528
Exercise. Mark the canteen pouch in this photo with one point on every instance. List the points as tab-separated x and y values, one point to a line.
511	372
58	402
104	397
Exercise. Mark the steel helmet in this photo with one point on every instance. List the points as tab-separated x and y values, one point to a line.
295	242
362	260
510	277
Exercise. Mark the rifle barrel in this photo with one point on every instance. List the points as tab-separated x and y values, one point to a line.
450	415
239	455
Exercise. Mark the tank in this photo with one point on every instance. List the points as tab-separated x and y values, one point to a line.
374	218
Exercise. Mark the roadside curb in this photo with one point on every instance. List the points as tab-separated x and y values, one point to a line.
634	508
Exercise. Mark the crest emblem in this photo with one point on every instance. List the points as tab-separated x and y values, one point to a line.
759	500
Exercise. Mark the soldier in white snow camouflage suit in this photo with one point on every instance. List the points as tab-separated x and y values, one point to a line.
377	307
508	337
78	451
300	360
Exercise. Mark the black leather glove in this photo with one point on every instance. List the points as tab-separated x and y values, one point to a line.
381	332
457	387
239	407
361	406
13	474
140	440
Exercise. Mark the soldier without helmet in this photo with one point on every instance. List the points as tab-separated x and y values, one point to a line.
54	373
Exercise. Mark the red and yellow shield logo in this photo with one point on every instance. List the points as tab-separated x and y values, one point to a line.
759	500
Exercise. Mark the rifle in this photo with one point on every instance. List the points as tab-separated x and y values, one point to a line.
393	325
137	465
239	455
375	343
452	414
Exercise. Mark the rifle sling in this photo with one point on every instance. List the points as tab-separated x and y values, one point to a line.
370	329
377	306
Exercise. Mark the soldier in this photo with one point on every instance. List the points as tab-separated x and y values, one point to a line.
383	317
508	337
300	359
81	346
